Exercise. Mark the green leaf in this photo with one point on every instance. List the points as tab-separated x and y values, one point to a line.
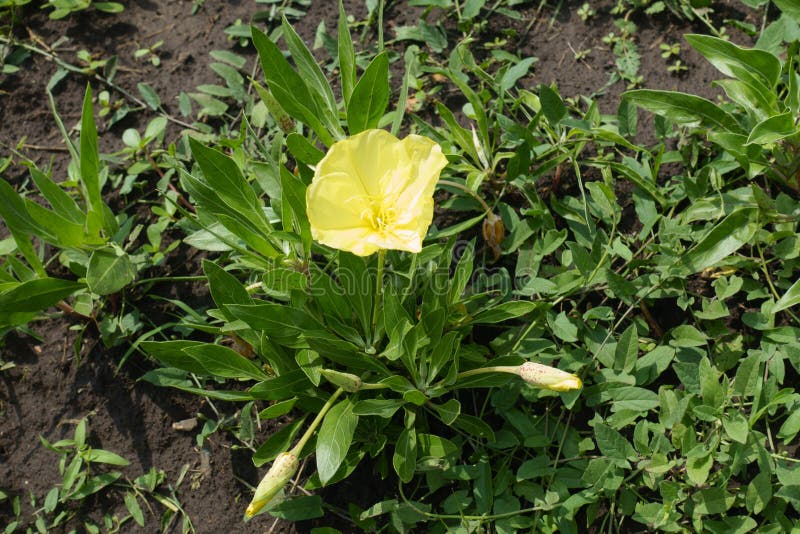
104	457
737	62
736	426
404	458
224	287
614	445
347	56
89	157
370	96
110	269
36	295
224	362
300	508
149	96
552	105
684	108
62	203
759	492
773	129
132	504
724	239
334	439
627	350
289	88
789	7
277	442
310	72
385	408
505	311
281	387
712	501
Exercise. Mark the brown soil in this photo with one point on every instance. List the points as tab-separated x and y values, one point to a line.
50	387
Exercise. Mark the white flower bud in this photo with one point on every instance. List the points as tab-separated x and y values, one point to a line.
547	377
283	469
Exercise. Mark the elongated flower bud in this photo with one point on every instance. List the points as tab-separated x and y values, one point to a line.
348	382
283	469
544	376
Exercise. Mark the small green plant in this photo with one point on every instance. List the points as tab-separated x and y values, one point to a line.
150	53
670	50
63	8
585	12
84	472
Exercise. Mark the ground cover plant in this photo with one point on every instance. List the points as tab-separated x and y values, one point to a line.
412	266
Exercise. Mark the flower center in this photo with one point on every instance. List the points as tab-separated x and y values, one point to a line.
381	216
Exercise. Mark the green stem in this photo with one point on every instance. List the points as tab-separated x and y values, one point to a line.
315	423
469	191
378	295
381	7
512	369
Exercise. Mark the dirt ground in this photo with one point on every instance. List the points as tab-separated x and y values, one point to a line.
50	388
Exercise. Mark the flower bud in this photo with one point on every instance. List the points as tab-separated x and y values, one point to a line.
283	468
346	381
494	232
547	377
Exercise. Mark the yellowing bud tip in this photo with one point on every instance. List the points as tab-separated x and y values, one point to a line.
283	469
547	377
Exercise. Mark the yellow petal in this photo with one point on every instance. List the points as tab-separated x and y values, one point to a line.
359	241
336	201
367	157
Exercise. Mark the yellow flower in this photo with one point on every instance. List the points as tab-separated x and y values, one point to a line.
547	377
283	469
374	191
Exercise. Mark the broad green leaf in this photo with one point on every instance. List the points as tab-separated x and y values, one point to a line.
300	508
552	105
36	295
370	96
224	287
105	457
724	239
614	445
277	442
170	353
773	129
759	492
712	501
627	350
736	426
62	203
684	108
404	458
334	439
110	269
224	362
281	387
149	96
505	311
347	56
789	7
309	70
385	408
225	178
735	61
302	149
289	88
760	102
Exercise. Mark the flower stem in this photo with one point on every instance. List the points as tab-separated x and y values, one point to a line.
378	295
469	191
315	423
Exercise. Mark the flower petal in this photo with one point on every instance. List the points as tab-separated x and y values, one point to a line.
369	157
336	202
